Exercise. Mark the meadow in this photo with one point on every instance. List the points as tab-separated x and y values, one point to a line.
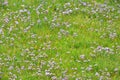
59	40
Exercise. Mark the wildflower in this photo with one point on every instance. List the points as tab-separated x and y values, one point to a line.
97	74
92	55
84	3
23	67
6	20
82	56
10	29
99	48
89	68
11	68
108	74
112	35
1	42
16	22
47	73
23	6
54	78
5	2
101	78
1	31
116	70
38	21
75	34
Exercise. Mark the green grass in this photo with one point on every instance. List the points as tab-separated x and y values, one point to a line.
59	40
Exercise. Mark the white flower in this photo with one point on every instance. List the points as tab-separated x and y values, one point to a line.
5	2
75	34
112	35
16	22
101	78
38	21
22	5
54	78
97	74
23	67
108	74
84	3
116	69
47	73
10	68
82	56
1	31
89	68
6	20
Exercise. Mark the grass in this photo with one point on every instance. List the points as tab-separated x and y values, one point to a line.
59	40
